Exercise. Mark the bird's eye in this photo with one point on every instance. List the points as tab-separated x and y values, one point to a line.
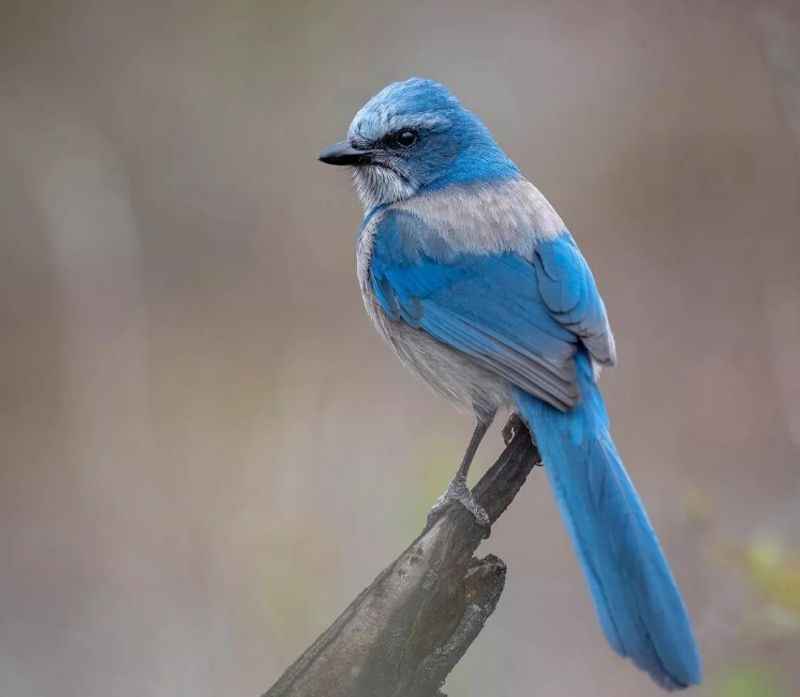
405	138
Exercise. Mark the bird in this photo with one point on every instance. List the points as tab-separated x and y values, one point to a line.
473	279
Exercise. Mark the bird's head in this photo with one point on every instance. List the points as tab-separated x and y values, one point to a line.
413	137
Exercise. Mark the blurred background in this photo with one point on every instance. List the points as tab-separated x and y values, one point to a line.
207	452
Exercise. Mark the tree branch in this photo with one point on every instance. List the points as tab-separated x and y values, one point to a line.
408	629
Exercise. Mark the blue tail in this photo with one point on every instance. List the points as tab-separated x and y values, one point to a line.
638	604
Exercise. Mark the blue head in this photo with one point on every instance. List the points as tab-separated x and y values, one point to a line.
413	137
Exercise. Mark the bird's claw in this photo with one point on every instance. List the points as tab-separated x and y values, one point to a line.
512	427
458	491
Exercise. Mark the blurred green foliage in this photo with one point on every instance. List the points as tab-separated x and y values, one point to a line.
775	570
749	682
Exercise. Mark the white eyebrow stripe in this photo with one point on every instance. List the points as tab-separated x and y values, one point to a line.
430	120
377	121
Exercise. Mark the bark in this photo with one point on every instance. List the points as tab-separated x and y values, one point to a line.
408	629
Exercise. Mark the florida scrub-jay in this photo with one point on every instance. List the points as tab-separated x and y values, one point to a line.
471	276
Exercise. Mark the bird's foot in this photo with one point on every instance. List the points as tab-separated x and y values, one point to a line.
458	491
513	426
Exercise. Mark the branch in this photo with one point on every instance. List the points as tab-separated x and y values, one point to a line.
408	629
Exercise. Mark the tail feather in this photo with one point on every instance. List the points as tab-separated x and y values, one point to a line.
637	601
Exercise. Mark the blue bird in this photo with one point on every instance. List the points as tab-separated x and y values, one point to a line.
472	278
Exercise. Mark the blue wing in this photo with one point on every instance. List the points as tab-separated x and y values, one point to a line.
520	318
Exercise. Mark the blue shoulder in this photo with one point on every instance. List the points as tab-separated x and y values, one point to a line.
410	262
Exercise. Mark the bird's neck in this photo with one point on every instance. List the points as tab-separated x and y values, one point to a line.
482	164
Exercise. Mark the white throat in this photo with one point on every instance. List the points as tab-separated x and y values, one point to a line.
377	186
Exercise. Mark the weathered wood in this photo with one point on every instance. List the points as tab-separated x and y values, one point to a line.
406	631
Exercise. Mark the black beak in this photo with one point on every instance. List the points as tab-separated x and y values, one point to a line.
345	154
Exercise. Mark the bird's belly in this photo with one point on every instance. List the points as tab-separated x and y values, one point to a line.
453	374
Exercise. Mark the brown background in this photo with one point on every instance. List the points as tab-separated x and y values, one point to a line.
206	449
